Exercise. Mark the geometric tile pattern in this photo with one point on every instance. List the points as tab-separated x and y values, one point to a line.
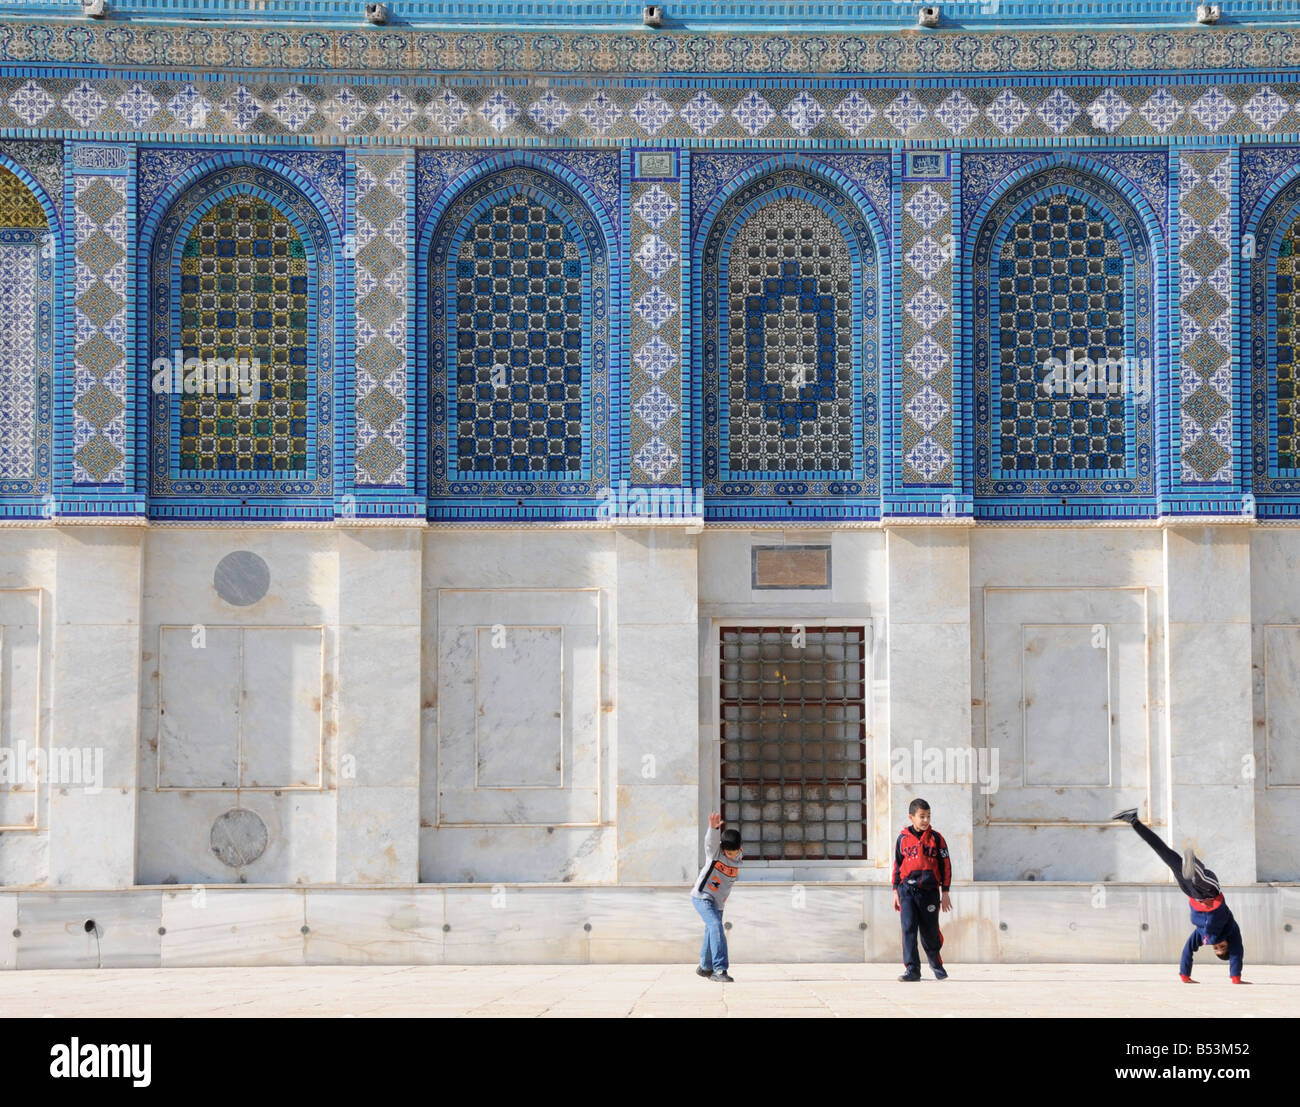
381	304
519	313
1060	292
1206	262
518	337
19	207
655	376
244	295
789	335
102	247
927	248
1288	346
1272	242
1055	255
614	112
26	339
26	360
159	168
242	264
319	46
790	343
43	160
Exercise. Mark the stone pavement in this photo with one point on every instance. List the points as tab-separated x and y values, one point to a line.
648	991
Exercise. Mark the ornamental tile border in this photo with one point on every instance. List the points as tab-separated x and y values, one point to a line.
668	52
848	111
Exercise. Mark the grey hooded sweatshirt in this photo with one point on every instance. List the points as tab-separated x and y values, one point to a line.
720	872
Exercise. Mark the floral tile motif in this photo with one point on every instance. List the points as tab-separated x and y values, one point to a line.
380	317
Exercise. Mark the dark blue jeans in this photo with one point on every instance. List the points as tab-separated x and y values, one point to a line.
919	908
713	951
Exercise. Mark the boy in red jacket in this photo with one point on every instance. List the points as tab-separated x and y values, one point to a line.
922	875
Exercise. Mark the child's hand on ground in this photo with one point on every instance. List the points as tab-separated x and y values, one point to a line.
945	903
715	821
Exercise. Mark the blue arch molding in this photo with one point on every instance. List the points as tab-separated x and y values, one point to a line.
29	499
1068	494
1277	491
559	189
847	496
174	495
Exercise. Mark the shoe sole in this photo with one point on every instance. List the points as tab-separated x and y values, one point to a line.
1128	814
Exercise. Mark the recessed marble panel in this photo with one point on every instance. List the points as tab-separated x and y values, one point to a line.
199	673
1066	680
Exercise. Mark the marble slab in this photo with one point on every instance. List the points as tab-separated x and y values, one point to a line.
54	930
376	927
218	926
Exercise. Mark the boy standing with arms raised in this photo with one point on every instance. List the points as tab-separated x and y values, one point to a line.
722	857
922	876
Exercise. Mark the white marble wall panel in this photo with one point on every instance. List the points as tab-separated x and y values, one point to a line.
1051	853
379	576
175	842
510	662
180	564
927	637
772	923
378	697
8	923
1281	766
54	935
512	925
553	562
559	854
374	927
1275	609
1065	680
377	842
21	667
25	859
1070	923
507	923
241	707
199	676
379	672
523	558
216	926
1066	695
657	813
1071	557
94	696
519	699
282	707
1210	695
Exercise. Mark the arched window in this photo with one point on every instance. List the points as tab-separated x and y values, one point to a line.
1287	447
519	343
518	315
1064	366
1273	307
244	296
241	345
1060	298
26	339
789	345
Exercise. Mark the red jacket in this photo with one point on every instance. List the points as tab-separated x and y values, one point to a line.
917	853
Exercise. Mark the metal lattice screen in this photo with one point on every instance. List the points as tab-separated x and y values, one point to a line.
794	740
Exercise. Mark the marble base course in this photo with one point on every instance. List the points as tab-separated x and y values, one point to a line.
775	922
